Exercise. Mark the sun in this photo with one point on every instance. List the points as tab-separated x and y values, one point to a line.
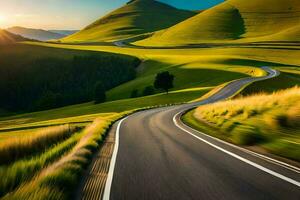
2	20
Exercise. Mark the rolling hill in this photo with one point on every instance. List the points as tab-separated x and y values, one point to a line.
8	38
235	21
35	34
135	18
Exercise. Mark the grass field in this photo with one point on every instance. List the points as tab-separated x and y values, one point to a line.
270	121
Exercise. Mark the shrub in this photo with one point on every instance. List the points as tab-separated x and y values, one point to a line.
247	135
282	120
149	90
164	80
134	93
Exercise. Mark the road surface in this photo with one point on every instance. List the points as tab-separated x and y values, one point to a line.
156	156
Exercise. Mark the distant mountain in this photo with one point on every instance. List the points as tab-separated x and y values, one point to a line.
35	34
235	21
8	38
64	32
135	18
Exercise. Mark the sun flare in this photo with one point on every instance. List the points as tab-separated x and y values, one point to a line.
2	20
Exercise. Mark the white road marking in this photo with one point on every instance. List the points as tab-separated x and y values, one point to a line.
106	195
266	158
287	179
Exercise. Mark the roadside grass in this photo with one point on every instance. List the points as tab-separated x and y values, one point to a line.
61	177
18	127
16	148
17	173
270	121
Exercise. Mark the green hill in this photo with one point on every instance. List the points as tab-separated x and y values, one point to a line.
135	18
8	38
238	21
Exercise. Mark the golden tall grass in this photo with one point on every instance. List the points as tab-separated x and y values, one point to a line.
16	148
271	121
282	108
59	179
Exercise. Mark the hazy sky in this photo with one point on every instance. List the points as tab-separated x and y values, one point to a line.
71	14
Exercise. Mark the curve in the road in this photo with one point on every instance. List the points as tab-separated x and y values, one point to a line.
155	159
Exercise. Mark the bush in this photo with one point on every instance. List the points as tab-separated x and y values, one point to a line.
247	135
284	148
282	120
149	90
134	94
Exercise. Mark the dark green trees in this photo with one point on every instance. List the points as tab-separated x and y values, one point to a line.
164	80
149	90
46	83
100	95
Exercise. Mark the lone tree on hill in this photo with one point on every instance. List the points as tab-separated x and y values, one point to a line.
164	80
100	95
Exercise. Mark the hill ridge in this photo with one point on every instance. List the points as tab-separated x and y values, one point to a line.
8	38
35	34
254	21
134	18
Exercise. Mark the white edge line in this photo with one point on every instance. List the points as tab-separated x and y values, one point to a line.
238	157
266	158
106	195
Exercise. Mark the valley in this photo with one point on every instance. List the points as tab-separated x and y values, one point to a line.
232	107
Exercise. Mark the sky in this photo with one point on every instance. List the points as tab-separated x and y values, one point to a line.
71	14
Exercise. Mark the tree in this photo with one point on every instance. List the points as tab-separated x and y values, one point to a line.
149	90
164	80
100	95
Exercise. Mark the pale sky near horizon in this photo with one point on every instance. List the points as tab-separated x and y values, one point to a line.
71	14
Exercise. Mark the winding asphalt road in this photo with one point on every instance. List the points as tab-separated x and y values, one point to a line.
156	156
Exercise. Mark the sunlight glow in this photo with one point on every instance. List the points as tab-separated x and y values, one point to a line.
2	20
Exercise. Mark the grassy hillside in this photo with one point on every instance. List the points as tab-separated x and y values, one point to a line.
8	38
235	21
270	121
35	34
135	18
198	67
